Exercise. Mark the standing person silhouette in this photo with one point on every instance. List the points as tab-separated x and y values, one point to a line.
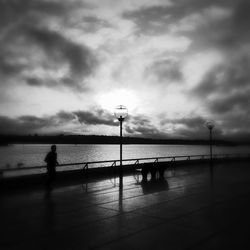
51	160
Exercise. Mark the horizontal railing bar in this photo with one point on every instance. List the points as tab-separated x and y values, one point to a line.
124	160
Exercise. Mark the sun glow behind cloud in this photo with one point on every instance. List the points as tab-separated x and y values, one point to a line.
117	97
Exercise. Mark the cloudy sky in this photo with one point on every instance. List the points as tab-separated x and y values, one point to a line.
65	65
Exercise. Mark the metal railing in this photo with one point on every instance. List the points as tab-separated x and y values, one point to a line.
113	163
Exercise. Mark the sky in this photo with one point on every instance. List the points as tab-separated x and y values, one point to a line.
65	66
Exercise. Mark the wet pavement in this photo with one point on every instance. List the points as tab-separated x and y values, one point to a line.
191	208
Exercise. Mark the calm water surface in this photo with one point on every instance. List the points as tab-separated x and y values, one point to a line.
33	155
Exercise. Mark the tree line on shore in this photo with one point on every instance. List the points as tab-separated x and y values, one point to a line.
100	139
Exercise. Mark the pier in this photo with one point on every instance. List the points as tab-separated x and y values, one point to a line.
189	209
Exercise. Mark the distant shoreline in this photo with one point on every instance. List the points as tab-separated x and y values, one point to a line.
109	140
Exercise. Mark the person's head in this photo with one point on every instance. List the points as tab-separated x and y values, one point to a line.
53	148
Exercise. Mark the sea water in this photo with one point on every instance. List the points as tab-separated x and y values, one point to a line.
30	155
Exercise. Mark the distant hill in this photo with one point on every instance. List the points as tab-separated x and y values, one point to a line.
99	139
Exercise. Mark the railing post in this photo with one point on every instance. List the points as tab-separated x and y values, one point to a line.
85	169
136	162
173	167
114	172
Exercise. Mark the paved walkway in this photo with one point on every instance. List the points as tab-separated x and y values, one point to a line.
189	210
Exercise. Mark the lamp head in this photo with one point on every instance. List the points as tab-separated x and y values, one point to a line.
210	124
121	112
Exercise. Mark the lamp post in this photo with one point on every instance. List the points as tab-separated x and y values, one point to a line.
210	126
121	113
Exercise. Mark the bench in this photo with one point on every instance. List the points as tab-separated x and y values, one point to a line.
152	168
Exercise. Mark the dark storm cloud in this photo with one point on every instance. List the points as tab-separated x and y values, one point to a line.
96	117
240	31
146	131
192	127
8	68
156	19
24	32
11	11
226	88
140	125
182	128
55	83
225	91
165	70
64	117
235	125
190	122
223	32
237	102
135	125
226	77
236	121
32	81
199	134
26	11
33	124
51	82
22	124
58	51
81	60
